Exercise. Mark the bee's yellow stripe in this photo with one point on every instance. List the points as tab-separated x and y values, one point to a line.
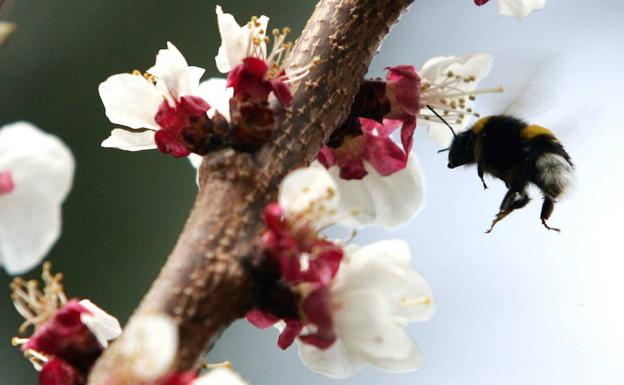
530	132
480	124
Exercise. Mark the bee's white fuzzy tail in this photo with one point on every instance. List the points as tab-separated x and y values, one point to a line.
554	174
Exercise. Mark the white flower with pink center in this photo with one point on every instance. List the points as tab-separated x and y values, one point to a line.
157	108
387	201
449	85
375	294
36	172
516	8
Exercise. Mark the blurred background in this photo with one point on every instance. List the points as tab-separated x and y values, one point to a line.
519	306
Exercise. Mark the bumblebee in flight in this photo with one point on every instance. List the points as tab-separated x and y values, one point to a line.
518	154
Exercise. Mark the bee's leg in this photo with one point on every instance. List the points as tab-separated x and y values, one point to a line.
547	210
509	204
481	173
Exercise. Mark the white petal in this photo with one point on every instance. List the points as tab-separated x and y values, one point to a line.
130	100
214	92
174	76
220	376
104	326
234	41
384	267
130	140
42	168
307	188
366	329
478	65
388	201
149	346
334	362
519	8
409	362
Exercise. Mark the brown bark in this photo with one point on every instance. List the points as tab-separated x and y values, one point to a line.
205	284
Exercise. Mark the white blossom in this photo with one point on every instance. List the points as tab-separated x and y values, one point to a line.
449	86
133	99
388	201
237	42
375	294
36	172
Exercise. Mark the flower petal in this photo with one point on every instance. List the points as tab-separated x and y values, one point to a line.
42	169
519	8
104	326
214	92
130	140
333	362
174	76
234	40
388	201
130	100
307	187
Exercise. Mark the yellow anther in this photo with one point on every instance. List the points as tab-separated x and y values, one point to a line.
285	31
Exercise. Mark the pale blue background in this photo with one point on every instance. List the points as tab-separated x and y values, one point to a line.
519	306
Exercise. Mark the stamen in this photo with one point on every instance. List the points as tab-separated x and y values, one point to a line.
34	305
224	364
148	76
415	301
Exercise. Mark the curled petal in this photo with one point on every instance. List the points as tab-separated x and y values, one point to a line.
234	40
174	77
290	332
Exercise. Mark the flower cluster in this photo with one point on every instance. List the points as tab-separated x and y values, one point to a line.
36	173
69	335
167	108
346	305
516	8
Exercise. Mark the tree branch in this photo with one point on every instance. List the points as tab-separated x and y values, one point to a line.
206	284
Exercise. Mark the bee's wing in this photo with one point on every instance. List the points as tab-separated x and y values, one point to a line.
532	79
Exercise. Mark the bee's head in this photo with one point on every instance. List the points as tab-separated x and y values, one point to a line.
461	151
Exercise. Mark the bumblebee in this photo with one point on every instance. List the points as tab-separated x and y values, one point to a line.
518	154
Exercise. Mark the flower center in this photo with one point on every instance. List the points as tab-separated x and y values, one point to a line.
6	182
279	51
450	96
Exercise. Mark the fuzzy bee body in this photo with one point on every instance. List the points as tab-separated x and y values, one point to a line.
518	154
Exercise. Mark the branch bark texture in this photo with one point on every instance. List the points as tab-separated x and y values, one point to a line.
206	283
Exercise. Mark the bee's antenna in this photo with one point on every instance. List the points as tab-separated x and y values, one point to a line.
443	150
444	121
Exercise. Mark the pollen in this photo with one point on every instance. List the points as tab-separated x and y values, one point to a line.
35	305
148	76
